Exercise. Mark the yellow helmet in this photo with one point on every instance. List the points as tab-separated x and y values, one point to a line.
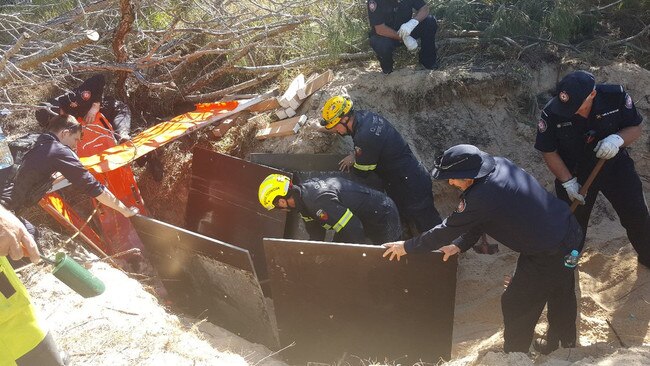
273	186
334	109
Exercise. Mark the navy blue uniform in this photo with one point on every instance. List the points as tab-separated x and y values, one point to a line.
574	140
34	177
512	207
78	102
393	14
352	210
381	149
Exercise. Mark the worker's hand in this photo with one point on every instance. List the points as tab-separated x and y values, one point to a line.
608	147
572	188
130	211
15	241
448	251
346	163
410	43
406	28
92	112
395	250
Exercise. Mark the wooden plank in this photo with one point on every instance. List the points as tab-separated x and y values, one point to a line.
287	127
290	112
221	130
290	93
267	105
315	84
281	114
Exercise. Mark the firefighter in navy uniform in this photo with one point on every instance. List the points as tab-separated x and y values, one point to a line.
502	200
353	211
379	148
85	101
586	122
392	23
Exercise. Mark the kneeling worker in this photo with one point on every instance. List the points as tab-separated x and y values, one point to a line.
503	201
352	210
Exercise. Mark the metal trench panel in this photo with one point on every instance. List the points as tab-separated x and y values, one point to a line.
206	274
299	162
223	204
344	303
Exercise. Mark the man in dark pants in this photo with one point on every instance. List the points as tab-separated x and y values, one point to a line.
52	153
85	101
353	211
502	200
379	148
392	23
586	122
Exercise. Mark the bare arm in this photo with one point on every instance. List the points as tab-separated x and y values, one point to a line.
557	166
15	241
630	134
422	13
92	112
107	198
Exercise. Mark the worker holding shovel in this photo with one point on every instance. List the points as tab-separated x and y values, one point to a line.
586	122
502	200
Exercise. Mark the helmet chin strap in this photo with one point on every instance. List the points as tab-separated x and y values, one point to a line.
347	126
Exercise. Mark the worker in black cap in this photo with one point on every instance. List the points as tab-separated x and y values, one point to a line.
585	122
502	200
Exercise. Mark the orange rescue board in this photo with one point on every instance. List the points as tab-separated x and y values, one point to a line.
156	136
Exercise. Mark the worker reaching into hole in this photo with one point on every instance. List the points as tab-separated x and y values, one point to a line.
380	149
355	212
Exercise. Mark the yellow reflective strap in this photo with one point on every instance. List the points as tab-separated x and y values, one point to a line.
327	227
306	218
343	221
365	168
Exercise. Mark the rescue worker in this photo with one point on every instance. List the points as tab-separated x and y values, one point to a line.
502	200
352	210
586	122
392	23
23	341
85	101
53	152
379	148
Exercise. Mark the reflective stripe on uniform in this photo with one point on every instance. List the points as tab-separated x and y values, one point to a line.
365	168
306	218
343	221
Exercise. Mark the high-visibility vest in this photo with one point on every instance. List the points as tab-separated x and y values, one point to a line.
19	328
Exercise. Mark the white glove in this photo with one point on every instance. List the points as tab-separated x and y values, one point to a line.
410	43
608	147
406	28
572	188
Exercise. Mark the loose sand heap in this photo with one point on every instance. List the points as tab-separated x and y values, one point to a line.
433	110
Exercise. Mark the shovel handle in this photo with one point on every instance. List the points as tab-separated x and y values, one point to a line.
585	187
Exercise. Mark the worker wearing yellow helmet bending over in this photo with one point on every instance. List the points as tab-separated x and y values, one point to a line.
352	210
379	148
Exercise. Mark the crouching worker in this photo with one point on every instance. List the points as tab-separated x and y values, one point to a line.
352	210
23	341
502	200
53	152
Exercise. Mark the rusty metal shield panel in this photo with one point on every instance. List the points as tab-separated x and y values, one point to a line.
223	204
344	303
210	278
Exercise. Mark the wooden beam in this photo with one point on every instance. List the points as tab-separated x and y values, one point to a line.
287	127
315	84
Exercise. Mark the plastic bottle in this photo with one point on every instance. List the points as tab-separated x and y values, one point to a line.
6	159
571	260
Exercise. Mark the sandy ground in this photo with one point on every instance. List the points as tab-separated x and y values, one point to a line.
433	110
